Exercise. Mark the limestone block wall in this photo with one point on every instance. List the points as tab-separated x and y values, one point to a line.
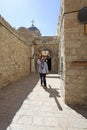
75	49
14	55
25	34
71	6
49	43
61	48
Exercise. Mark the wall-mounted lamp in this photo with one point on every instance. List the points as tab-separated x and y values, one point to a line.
82	17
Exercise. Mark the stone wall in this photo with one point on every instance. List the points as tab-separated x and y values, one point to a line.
61	48
14	55
41	43
51	44
73	44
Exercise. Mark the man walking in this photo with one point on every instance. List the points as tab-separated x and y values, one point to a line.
43	70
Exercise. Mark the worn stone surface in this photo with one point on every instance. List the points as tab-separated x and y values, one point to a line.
25	105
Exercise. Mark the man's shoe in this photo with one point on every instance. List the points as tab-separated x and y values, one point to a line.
45	87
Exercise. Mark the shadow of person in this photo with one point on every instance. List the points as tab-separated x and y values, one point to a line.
54	94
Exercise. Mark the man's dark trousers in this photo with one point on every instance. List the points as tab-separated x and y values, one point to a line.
43	79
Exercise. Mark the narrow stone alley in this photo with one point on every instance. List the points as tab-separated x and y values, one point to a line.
25	105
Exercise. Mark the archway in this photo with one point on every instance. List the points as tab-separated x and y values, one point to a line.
45	52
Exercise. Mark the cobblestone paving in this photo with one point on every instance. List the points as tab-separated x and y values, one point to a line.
25	105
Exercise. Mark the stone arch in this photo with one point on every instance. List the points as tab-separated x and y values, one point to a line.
50	59
43	48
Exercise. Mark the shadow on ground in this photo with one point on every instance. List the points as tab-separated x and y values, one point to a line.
80	109
54	94
12	97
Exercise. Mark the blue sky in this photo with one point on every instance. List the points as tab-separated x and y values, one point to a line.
20	13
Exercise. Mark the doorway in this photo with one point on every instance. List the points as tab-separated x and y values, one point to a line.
48	60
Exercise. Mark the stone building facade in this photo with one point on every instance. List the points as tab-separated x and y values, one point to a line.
73	52
47	45
19	50
41	44
14	55
66	53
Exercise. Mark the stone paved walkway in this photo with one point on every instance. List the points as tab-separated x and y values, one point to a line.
25	105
